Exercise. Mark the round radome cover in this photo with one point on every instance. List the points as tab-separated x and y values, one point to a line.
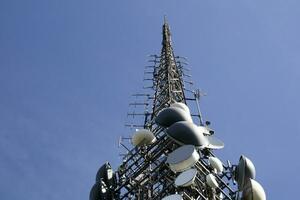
187	133
171	115
173	197
244	171
183	158
143	137
216	164
182	106
186	178
250	168
253	191
211	181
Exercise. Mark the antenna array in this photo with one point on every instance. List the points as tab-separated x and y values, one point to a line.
171	153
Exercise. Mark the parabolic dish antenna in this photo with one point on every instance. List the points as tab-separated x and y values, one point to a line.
244	171
216	164
173	197
211	181
183	158
186	178
187	133
214	143
143	137
171	115
253	191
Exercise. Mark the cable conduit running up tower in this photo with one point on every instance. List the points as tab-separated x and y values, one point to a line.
170	156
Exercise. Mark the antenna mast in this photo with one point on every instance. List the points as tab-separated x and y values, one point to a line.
169	156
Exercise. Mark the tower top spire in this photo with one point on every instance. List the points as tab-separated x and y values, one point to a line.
168	83
166	33
165	19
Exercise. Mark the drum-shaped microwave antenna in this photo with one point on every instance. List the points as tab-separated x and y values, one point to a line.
244	171
216	164
211	181
183	158
171	115
253	191
186	178
143	137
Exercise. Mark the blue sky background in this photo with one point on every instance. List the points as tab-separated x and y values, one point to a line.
68	68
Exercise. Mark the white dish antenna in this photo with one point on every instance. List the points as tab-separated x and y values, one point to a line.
186	178
183	158
216	164
211	181
143	137
253	191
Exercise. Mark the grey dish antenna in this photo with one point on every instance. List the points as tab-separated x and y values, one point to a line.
244	171
185	132
253	191
171	115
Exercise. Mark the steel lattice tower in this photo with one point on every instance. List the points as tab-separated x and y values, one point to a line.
145	172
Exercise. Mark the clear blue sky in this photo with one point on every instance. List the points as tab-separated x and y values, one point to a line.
68	68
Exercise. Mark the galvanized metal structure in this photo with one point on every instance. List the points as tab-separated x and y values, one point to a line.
145	172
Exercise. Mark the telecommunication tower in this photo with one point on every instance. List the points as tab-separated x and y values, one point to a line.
170	154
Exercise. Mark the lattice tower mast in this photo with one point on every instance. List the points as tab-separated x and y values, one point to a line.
168	82
145	167
148	172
